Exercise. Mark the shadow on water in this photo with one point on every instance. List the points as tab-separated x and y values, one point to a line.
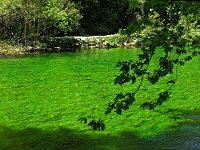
186	137
34	139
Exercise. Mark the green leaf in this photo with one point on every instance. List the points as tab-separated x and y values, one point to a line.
83	119
171	82
133	79
181	63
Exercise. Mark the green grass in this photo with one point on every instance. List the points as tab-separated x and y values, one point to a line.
42	96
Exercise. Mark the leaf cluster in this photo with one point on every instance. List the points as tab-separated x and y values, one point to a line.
94	124
121	102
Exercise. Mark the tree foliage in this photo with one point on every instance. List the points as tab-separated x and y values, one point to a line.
104	16
30	19
94	124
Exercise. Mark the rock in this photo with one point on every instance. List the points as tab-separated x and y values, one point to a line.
57	48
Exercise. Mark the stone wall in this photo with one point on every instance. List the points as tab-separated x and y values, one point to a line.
74	42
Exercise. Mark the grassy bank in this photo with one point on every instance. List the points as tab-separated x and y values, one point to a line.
42	96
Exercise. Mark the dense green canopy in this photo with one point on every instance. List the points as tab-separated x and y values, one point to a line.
29	19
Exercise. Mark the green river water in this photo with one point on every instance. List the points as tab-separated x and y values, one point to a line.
43	95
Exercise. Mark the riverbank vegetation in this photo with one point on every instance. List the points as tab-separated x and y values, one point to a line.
32	22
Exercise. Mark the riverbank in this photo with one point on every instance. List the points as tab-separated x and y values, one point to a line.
68	43
107	41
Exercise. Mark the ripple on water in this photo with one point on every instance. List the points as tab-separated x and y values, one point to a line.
194	117
187	137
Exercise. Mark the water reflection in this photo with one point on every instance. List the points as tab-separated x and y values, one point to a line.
70	52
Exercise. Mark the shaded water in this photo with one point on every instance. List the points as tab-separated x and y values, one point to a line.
186	137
